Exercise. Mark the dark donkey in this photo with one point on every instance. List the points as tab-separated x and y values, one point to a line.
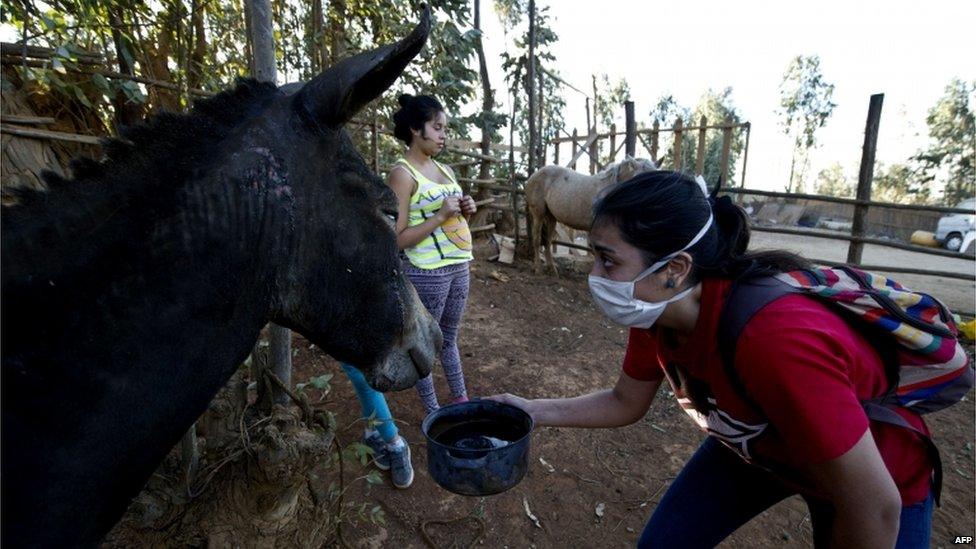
133	292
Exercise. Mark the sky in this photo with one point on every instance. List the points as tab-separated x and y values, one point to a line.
907	50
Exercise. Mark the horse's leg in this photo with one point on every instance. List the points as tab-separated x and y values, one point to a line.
550	237
536	239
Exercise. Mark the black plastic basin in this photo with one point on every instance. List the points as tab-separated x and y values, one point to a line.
477	448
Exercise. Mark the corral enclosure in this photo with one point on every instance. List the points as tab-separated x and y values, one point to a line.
541	336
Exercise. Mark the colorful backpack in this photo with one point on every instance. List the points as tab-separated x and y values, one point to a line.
914	333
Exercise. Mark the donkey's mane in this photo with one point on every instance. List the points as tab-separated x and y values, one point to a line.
119	197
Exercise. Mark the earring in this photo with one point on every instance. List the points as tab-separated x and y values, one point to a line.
669	283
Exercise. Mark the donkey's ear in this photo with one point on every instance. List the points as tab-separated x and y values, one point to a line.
336	95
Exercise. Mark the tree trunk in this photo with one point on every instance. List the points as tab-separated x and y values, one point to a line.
487	104
261	33
280	361
487	95
198	53
530	89
264	70
337	30
318	52
541	141
127	113
248	42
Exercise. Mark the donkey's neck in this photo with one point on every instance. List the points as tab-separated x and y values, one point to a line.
108	366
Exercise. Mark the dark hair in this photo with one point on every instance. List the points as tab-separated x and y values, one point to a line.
660	212
414	112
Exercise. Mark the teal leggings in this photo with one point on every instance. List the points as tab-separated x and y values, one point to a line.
373	403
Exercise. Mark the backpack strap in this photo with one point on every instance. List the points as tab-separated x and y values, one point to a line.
745	299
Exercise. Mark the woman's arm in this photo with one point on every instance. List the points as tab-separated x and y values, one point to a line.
403	185
626	403
866	500
805	380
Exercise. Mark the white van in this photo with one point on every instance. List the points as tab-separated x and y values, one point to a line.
952	228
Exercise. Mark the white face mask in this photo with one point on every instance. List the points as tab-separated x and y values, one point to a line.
616	298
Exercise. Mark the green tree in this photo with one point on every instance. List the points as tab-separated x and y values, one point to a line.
667	110
949	158
513	15
831	181
716	108
805	106
610	98
898	183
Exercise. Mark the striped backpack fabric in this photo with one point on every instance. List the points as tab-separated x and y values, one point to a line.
913	332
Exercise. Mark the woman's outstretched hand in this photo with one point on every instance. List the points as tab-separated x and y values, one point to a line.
514	400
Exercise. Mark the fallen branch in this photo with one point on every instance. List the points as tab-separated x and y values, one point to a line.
32	120
528	513
108	74
34	133
482	228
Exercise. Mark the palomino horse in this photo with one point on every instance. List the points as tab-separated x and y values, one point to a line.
557	194
133	292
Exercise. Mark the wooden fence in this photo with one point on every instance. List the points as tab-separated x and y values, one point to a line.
863	208
650	139
505	193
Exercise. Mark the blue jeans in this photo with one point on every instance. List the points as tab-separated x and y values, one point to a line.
372	402
717	492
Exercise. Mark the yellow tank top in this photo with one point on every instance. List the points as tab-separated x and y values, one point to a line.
449	243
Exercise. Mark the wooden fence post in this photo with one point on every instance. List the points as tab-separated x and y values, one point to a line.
630	142
655	134
594	152
576	145
613	144
726	151
745	159
700	153
589	123
555	152
465	178
677	144
865	176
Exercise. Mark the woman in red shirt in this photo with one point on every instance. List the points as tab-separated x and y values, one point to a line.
666	257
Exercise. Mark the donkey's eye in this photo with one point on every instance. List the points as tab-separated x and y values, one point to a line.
391	216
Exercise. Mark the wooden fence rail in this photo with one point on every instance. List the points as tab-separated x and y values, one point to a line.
588	145
851	201
591	143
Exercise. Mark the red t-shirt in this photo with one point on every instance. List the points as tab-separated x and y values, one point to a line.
805	369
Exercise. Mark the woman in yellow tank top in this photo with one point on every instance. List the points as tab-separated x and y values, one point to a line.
432	230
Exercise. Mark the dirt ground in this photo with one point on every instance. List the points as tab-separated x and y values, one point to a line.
539	336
